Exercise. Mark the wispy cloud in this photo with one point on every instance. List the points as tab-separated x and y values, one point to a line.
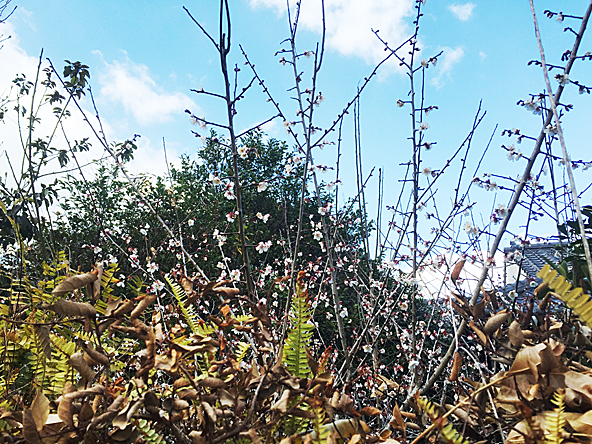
349	23
131	85
450	58
462	12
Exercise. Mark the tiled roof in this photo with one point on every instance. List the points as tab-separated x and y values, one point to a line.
533	256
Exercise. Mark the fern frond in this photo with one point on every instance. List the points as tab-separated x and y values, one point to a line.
241	351
321	431
150	436
575	298
556	419
298	339
447	430
189	314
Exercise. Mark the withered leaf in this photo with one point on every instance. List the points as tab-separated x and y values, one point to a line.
211	382
540	289
495	322
188	394
455	367
42	333
479	309
30	428
281	405
77	361
180	404
96	285
226	291
456	270
399	423
143	305
70	308
86	412
479	333
209	411
65	406
74	283
40	410
96	355
515	334
252	436
371	411
120	309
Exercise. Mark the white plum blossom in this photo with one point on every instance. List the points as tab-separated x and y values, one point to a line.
563	79
317	235
263	247
263	217
157	286
470	229
191	222
262	186
235	275
423	126
151	267
242	151
367	348
229	194
214	179
230	217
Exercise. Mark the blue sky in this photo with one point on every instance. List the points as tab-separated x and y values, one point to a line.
145	57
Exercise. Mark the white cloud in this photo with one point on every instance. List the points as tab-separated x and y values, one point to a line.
450	58
131	85
462	12
349	23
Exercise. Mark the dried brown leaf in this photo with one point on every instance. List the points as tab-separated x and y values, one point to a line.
65	407
281	405
211	382
484	339
398	423
515	334
77	361
252	436
42	333
40	410
70	308
209	411
143	305
96	285
540	289
371	411
226	291
96	355
479	309
74	283
455	367
30	428
495	322
121	309
456	270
